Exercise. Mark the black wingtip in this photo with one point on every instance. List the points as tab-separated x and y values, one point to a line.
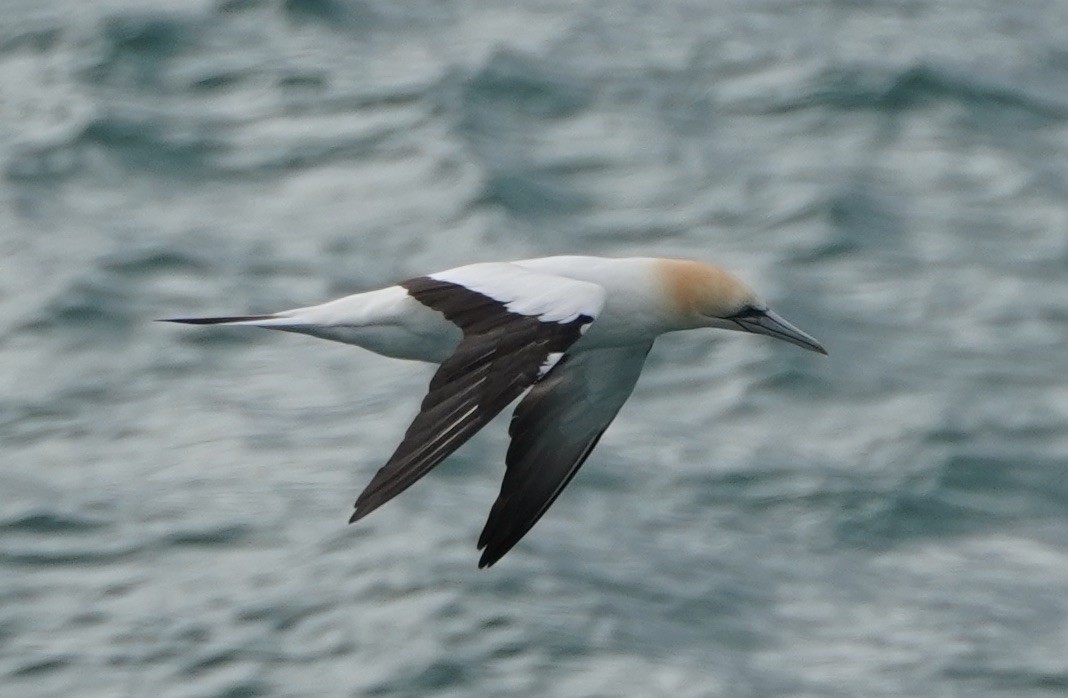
492	557
490	554
216	320
363	508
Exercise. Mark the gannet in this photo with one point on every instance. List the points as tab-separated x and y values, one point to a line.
568	334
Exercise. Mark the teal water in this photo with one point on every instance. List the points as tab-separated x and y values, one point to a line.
890	521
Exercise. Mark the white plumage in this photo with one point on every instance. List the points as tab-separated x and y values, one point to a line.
571	332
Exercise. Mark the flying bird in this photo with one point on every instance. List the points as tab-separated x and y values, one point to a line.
569	334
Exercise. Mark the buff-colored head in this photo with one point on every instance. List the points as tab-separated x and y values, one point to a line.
702	290
702	295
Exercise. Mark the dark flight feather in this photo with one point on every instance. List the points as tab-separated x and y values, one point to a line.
554	429
500	355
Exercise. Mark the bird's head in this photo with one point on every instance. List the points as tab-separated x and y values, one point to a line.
706	296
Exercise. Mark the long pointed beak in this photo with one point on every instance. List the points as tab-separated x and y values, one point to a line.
773	325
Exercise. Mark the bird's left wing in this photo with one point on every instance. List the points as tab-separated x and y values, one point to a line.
553	431
516	326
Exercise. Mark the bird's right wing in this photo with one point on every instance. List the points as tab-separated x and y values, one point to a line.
553	431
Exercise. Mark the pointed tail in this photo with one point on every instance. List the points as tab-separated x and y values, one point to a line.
232	320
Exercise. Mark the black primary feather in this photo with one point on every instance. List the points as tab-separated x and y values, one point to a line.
500	355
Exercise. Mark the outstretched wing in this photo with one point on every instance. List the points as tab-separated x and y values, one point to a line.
553	431
516	325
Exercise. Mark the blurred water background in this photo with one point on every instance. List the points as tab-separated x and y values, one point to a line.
760	521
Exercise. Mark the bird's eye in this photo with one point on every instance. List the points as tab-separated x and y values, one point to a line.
747	312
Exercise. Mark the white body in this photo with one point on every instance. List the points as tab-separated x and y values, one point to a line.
390	322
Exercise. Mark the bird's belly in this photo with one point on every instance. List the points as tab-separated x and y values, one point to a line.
432	344
402	342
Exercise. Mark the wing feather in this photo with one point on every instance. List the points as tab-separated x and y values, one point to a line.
506	342
554	430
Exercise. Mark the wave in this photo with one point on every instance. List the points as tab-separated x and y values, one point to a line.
895	89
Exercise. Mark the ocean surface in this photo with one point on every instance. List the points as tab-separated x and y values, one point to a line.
891	520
